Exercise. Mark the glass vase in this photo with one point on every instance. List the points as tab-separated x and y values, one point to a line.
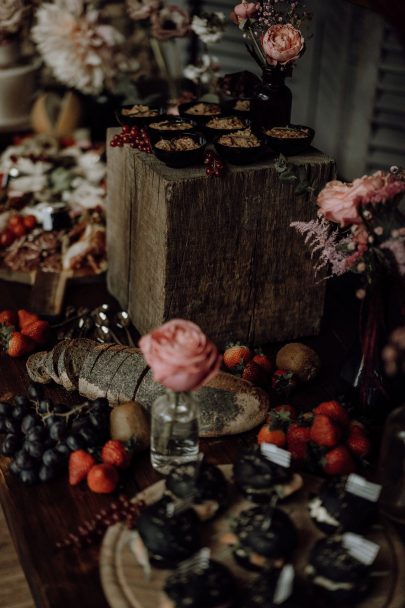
271	106
175	431
392	467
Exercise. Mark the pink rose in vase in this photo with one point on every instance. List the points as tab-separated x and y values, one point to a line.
282	44
338	203
180	355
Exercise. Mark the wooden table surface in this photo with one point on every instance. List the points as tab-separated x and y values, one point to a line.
41	515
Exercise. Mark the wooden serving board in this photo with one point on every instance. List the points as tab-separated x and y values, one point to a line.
125	586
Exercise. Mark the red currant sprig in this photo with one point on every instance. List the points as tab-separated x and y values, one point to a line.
136	137
91	531
214	165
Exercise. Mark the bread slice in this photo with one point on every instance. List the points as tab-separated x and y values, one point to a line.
88	363
103	371
71	361
148	391
127	377
36	367
53	358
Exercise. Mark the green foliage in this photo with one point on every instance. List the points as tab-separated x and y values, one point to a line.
294	174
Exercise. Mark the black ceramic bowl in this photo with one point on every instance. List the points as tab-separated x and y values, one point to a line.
182	158
291	145
212	133
200	119
157	133
137	121
228	107
241	156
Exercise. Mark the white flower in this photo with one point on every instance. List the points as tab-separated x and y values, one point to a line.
11	16
210	27
204	72
81	52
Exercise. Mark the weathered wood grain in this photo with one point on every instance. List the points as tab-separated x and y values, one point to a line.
218	251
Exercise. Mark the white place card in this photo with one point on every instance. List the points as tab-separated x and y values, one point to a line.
276	454
359	486
360	548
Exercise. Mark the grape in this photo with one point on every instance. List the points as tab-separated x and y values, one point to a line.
57	431
101	405
5	409
23	460
19	411
12	426
51	458
45	406
46	473
21	400
35	391
36	433
2	424
79	423
29	476
75	442
51	420
28	422
10	445
14	468
61	408
63	449
90	436
34	448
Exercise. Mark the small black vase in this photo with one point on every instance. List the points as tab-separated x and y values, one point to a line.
271	106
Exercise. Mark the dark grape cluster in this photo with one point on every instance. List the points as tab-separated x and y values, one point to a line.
214	165
89	532
136	137
39	435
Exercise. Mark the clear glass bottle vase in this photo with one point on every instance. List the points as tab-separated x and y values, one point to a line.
175	431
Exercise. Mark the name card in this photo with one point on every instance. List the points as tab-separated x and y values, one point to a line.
275	454
361	487
360	548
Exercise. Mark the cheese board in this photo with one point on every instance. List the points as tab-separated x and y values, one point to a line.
125	586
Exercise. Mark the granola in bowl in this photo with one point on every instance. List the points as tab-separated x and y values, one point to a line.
242	105
240	139
204	109
179	144
139	110
287	133
225	123
171	125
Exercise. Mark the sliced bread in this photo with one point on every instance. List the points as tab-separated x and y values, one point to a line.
103	371
71	361
127	377
36	367
88	363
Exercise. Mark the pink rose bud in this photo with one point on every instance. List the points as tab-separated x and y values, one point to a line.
245	10
180	355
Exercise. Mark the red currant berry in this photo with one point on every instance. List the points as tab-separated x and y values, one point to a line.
126	129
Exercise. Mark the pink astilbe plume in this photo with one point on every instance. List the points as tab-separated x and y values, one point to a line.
327	243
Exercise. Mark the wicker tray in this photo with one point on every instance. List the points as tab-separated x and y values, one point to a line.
125	586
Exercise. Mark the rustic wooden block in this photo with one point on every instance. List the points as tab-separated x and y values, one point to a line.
218	251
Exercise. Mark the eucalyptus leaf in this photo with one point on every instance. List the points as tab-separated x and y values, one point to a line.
288	178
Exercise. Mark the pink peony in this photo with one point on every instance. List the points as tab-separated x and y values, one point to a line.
244	10
140	10
282	44
377	188
180	355
337	203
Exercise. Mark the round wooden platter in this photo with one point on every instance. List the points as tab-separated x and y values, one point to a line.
125	585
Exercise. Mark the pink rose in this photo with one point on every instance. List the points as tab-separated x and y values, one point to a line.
180	355
337	203
282	44
245	10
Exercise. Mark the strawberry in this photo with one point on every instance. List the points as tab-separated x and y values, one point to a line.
37	331
284	382
115	454
324	431
276	436
334	410
102	478
80	463
8	317
338	461
356	427
15	344
297	440
236	356
264	362
25	318
255	374
358	444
